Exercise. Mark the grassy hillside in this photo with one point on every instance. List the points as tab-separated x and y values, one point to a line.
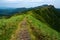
8	26
41	22
49	15
42	31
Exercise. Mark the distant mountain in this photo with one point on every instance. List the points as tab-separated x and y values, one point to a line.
58	11
11	11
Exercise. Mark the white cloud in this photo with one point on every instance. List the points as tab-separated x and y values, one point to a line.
8	1
14	0
27	0
27	3
41	0
38	0
35	0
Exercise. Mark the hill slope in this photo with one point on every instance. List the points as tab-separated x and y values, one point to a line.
36	24
49	15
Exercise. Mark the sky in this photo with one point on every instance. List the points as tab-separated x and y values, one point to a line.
28	3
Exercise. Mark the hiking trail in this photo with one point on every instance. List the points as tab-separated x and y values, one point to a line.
22	32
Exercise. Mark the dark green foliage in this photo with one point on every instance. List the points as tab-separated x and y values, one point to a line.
49	15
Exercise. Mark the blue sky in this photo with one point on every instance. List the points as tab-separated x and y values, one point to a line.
28	3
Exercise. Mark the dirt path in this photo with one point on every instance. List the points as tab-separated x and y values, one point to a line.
22	32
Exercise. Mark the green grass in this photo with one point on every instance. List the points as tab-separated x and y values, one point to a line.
7	26
44	28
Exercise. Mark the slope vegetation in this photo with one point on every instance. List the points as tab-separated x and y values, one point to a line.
32	29
39	23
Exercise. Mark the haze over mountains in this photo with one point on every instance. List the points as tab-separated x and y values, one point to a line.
10	11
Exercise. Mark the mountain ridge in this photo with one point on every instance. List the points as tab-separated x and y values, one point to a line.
41	22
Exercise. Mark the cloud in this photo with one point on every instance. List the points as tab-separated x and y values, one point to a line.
25	3
26	0
14	0
10	1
